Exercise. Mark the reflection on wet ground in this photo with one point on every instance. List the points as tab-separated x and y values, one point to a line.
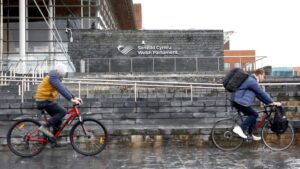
156	156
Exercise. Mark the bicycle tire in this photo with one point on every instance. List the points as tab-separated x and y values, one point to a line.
90	143
223	137
275	141
17	140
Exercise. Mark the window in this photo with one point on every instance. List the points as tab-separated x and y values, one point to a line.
237	65
226	66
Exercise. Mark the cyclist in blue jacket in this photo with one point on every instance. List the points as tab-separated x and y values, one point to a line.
242	100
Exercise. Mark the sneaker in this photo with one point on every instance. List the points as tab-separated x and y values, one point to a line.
46	131
238	130
256	138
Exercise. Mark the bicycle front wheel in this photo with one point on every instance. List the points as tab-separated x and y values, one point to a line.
223	137
277	141
88	137
23	138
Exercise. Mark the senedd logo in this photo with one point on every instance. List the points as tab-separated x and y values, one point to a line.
124	49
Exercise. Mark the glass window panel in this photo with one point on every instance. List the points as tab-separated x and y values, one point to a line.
38	46
13	35
10	2
66	11
86	11
226	66
38	35
58	47
237	65
13	11
34	11
5	47
93	11
61	23
13	25
5	35
86	23
13	47
37	24
72	2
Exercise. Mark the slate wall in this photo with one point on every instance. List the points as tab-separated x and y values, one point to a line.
148	50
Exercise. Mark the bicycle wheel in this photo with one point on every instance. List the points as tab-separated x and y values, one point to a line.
88	137
223	137
277	141
22	138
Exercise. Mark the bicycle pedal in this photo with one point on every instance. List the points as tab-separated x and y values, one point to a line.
248	140
55	145
52	140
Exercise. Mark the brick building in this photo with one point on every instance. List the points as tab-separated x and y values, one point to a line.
245	59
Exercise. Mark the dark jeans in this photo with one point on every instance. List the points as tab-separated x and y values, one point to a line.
55	110
249	123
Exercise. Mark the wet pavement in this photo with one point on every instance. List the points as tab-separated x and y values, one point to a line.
156	156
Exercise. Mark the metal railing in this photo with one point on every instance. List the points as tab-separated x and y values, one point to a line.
25	82
35	67
154	64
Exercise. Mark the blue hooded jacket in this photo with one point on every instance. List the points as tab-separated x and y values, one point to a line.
247	92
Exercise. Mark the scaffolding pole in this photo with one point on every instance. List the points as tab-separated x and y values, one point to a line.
22	30
1	35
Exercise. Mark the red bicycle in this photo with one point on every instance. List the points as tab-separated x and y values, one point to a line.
87	136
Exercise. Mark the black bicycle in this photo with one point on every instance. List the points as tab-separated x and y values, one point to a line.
225	139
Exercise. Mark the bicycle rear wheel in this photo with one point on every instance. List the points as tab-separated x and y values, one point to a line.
277	141
22	138
88	137
223	137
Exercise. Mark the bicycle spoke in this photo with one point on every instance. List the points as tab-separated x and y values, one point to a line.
223	136
89	137
277	141
20	135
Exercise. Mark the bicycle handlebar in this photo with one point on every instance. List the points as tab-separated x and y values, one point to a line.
76	105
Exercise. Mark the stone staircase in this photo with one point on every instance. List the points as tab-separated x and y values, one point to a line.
157	111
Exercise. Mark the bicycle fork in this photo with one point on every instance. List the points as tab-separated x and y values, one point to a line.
82	126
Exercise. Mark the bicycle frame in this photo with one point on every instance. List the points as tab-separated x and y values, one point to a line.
268	113
73	113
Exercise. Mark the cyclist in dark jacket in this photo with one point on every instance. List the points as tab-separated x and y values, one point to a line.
242	100
47	93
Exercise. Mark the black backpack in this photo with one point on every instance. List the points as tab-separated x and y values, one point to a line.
234	78
280	123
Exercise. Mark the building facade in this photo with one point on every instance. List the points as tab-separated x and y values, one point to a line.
36	33
245	59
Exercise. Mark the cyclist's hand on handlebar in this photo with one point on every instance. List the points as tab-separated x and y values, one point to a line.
76	101
79	99
276	104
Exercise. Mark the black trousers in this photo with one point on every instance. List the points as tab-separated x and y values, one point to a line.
55	110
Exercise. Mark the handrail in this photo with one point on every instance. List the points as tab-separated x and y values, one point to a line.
7	70
146	83
134	84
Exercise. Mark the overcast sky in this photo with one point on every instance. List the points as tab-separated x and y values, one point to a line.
271	27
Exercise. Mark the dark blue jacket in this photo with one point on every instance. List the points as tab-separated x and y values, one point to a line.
56	82
247	92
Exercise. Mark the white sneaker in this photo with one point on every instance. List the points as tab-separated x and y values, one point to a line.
256	138
238	130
